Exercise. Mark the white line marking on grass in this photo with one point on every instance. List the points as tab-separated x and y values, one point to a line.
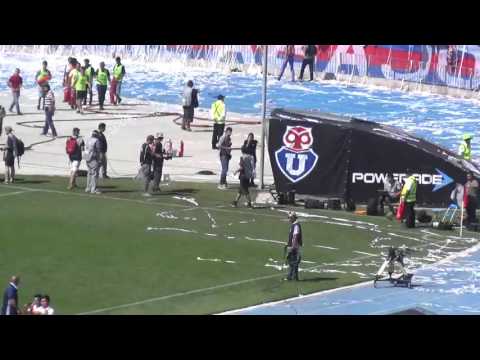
325	247
15	193
265	240
170	229
365	253
337	223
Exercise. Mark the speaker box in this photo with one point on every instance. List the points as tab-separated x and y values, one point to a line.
334	204
372	207
282	199
473	227
313	204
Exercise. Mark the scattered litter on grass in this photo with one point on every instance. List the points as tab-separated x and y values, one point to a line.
184	198
210	234
230	237
246	221
364	253
308	262
302	214
229	224
212	219
167	215
359	274
325	247
216	260
278	267
170	229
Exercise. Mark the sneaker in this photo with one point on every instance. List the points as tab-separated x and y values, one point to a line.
287	279
106	177
249	205
6	182
69	187
87	190
19	113
96	192
78	111
234	204
147	194
119	100
220	187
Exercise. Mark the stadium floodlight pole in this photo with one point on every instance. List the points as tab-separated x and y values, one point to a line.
264	115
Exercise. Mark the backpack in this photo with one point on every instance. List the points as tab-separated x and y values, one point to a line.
20	147
71	145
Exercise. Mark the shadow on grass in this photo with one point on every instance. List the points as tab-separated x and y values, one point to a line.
107	187
116	191
179	192
23	181
317	279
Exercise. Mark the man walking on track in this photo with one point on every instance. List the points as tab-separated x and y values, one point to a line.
116	84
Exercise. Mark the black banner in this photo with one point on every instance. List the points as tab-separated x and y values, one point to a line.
326	155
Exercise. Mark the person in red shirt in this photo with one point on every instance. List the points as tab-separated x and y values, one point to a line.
15	83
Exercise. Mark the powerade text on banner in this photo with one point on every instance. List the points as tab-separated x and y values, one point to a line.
322	154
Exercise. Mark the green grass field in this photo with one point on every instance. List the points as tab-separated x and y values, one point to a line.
95	254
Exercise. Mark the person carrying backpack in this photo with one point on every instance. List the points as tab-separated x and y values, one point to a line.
245	173
10	152
74	147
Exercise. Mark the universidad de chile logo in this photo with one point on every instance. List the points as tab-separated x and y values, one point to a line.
295	158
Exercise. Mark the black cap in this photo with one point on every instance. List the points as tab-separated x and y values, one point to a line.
220	97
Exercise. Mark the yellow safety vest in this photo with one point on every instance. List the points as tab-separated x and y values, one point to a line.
102	77
465	150
81	84
409	190
73	74
117	72
41	74
218	112
89	73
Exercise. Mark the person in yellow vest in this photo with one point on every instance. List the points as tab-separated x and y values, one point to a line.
218	114
409	197
72	76
90	74
102	76
465	148
42	77
118	74
80	85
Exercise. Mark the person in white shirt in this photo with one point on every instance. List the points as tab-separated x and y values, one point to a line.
45	308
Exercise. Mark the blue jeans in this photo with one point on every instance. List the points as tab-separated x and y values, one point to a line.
49	122
118	89
16	96
288	60
224	160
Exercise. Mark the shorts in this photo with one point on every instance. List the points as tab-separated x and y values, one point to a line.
75	165
188	113
9	159
244	184
81	95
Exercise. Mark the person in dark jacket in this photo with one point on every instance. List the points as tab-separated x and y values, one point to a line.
146	161
10	298
158	157
250	147
309	59
103	150
293	247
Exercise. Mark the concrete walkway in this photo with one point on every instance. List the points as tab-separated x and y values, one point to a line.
128	124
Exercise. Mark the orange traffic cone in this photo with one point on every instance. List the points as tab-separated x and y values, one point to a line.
182	147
